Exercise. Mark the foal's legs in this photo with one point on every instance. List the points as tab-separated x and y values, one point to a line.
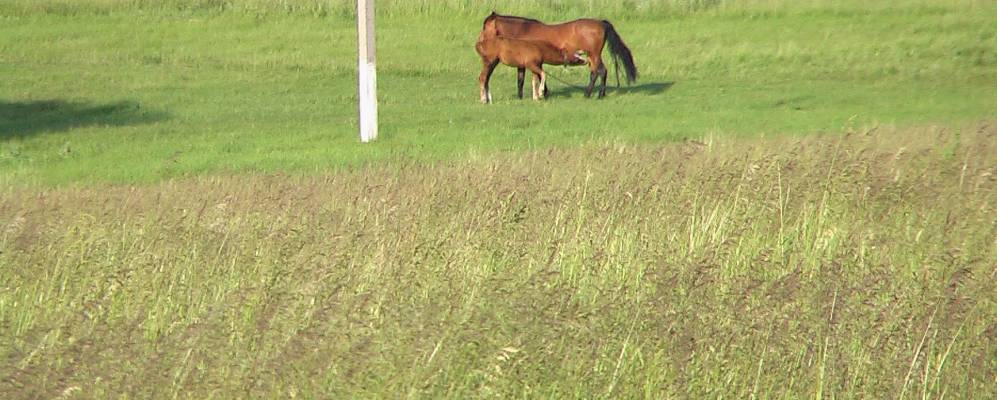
543	84
520	77
486	74
533	86
538	72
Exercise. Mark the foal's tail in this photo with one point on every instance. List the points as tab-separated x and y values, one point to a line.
620	52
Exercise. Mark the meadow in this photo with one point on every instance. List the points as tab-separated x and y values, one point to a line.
835	266
111	94
796	200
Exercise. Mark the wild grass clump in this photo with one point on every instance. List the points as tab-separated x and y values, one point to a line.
858	265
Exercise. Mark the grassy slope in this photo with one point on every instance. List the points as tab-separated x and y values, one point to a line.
830	267
138	96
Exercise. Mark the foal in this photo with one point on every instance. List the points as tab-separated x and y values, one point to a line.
531	55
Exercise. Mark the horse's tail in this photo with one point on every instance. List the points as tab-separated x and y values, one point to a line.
620	52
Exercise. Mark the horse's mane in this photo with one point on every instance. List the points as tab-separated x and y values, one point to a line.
495	15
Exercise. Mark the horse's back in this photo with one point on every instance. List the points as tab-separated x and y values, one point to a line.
587	22
585	33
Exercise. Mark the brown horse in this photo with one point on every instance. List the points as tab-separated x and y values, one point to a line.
586	35
521	54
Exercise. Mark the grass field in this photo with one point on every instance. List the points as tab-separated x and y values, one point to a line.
136	96
796	200
857	266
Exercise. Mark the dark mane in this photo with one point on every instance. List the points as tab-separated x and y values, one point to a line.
524	19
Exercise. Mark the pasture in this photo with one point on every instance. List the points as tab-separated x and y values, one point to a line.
118	95
796	200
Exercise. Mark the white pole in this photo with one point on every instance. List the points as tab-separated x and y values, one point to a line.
366	71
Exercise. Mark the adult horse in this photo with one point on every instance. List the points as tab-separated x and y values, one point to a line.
586	35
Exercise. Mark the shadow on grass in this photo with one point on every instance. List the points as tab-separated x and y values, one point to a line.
22	119
646	89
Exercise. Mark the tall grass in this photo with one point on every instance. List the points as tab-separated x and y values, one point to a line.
844	266
347	7
545	8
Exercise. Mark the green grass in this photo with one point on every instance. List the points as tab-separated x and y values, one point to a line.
137	92
839	266
796	200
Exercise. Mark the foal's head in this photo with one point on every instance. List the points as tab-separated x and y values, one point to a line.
489	24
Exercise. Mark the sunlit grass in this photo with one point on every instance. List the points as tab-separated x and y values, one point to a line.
795	201
855	265
155	90
616	8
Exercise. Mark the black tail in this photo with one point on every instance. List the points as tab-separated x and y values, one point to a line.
620	52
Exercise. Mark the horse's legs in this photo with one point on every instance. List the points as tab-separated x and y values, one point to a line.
588	90
595	66
616	67
486	74
603	72
520	77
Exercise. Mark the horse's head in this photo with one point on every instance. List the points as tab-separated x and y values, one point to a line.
489	21
487	35
489	28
